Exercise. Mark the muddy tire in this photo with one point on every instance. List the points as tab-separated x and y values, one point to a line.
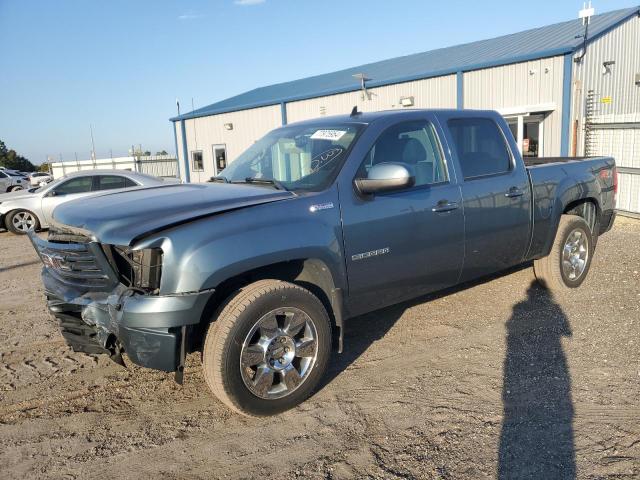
20	222
568	263
267	348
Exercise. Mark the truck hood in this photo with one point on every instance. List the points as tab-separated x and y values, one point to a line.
125	217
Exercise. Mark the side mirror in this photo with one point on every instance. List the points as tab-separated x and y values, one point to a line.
52	193
385	177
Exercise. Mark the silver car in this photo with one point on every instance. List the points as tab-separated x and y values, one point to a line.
11	181
31	209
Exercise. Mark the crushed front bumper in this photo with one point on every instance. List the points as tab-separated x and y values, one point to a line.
106	317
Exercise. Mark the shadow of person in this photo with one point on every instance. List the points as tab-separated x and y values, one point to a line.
537	429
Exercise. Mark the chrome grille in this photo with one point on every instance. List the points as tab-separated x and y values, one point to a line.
82	265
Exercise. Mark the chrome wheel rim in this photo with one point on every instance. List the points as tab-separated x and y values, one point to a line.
17	189
279	353
575	254
24	221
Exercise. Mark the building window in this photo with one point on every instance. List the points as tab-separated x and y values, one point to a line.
197	164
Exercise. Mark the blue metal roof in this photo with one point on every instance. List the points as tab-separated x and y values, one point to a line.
531	44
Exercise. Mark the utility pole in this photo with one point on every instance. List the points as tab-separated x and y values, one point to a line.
93	147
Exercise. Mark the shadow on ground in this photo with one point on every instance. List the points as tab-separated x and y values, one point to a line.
537	429
537	438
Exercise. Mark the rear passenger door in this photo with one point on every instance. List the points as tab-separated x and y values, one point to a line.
496	195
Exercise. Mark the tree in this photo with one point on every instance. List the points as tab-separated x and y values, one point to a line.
163	152
11	160
45	167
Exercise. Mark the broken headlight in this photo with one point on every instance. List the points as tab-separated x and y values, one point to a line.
140	269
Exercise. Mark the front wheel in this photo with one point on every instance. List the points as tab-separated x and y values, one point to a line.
568	263
268	348
16	188
21	222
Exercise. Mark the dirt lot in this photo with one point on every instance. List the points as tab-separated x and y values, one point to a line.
496	379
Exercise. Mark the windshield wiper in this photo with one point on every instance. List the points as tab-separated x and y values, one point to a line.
266	181
219	179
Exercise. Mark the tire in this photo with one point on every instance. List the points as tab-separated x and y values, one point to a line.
20	222
562	270
17	188
264	383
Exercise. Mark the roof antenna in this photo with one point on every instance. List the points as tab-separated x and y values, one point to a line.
355	112
585	14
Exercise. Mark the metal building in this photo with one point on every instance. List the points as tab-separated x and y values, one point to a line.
561	92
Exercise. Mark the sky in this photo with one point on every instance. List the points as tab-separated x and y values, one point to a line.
119	65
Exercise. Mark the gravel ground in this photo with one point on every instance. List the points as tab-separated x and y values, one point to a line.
496	379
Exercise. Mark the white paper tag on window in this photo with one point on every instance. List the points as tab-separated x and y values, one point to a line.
328	135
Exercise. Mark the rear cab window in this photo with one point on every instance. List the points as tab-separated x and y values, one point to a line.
480	146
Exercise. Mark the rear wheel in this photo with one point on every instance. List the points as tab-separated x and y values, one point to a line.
21	222
16	188
268	348
568	263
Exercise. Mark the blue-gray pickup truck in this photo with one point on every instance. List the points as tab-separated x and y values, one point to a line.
315	223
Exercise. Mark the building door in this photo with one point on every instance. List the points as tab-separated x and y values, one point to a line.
219	158
528	132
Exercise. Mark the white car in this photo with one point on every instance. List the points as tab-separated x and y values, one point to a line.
39	179
11	181
26	210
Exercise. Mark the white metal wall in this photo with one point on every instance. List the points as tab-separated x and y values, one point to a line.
521	86
439	92
204	132
617	101
622	46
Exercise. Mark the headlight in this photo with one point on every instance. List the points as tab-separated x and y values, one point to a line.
139	268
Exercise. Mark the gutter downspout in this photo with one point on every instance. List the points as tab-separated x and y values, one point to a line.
185	154
175	139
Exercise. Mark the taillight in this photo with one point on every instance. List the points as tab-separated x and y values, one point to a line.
615	185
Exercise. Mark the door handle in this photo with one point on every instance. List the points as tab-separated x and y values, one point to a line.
514	192
444	206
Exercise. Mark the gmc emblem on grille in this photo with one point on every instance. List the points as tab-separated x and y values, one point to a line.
57	262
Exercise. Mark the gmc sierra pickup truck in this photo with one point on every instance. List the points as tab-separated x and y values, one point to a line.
317	222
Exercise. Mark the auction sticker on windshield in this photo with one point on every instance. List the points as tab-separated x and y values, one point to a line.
328	135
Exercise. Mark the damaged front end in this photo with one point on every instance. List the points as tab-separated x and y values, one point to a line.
107	300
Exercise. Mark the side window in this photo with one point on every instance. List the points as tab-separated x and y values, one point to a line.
414	144
75	185
480	146
2	175
197	163
110	182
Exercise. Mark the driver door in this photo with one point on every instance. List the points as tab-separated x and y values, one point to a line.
76	187
404	243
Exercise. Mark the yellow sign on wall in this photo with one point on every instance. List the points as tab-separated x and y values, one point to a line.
606	100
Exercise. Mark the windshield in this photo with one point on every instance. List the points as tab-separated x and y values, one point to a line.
297	157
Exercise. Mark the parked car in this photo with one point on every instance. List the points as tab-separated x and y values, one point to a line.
11	181
32	209
38	179
317	222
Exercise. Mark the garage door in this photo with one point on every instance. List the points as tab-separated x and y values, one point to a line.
621	141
